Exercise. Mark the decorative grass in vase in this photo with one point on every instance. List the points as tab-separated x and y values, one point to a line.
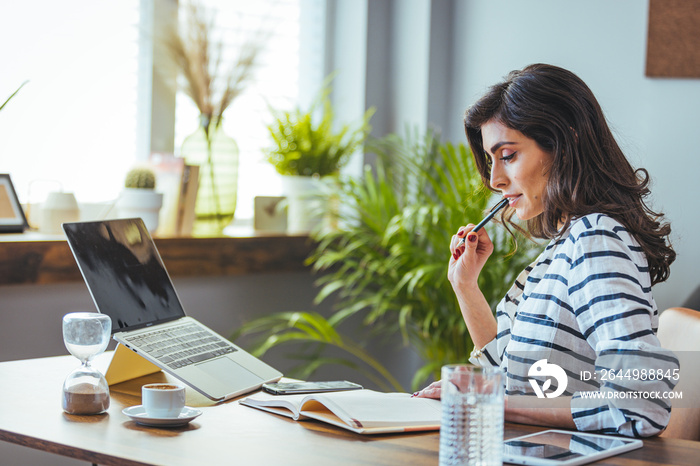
197	52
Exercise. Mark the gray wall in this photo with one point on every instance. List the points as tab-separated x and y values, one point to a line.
31	316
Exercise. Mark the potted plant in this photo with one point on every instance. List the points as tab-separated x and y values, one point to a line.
307	150
139	197
387	263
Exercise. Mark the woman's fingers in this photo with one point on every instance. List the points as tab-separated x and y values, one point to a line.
457	244
431	391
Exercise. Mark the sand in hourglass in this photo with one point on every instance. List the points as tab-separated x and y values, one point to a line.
85	398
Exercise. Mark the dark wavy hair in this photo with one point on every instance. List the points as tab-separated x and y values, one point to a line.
589	171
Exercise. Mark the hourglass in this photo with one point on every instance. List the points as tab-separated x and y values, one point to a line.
86	334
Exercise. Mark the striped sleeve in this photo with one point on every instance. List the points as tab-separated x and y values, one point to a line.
610	293
493	352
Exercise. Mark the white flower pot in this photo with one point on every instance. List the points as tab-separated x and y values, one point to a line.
306	203
144	203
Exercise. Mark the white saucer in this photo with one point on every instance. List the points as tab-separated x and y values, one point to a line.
138	414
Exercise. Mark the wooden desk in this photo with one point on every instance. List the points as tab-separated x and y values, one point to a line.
31	415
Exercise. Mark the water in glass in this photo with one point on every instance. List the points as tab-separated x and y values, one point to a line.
471	430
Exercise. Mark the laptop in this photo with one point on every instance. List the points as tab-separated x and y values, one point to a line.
128	282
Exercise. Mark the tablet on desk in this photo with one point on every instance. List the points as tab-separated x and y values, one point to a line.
564	448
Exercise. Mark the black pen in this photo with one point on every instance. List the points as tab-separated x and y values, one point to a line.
502	203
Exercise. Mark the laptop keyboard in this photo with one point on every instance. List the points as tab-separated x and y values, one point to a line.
181	346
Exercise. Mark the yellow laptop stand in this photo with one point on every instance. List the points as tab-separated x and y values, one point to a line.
127	365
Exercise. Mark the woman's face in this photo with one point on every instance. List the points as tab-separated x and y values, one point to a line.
520	168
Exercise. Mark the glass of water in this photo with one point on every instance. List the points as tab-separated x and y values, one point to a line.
471	429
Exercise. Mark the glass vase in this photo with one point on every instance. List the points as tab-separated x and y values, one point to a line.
217	156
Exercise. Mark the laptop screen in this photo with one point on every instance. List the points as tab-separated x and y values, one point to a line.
124	272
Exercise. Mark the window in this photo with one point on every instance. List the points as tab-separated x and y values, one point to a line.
74	125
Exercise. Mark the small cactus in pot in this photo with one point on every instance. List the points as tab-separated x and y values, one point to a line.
139	198
140	178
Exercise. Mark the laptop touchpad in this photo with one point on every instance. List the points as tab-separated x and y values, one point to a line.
230	373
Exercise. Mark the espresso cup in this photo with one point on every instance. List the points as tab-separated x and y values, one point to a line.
163	400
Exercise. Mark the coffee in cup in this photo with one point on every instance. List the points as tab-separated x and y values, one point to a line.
163	400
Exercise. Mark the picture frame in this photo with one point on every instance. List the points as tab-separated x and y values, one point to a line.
12	218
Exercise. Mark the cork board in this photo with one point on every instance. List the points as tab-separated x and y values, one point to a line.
673	42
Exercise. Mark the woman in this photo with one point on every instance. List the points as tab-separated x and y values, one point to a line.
540	140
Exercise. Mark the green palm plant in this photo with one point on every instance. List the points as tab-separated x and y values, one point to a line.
388	260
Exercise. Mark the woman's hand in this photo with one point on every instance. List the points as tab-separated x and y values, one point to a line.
468	258
431	391
465	266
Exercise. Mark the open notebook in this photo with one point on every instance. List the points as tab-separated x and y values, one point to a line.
361	411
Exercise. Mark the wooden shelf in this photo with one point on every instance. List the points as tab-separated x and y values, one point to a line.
40	259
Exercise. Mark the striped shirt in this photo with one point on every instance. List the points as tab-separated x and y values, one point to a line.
585	304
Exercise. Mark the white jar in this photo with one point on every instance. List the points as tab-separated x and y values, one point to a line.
58	208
